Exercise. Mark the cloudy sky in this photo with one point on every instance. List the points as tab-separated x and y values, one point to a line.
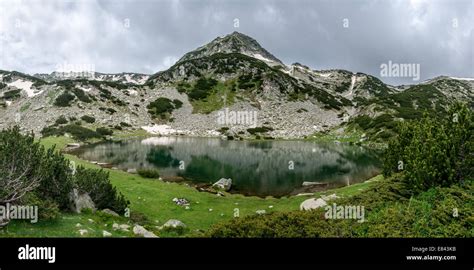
146	36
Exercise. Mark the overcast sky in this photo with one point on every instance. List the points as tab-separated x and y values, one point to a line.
146	36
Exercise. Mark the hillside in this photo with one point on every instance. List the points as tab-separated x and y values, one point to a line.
232	72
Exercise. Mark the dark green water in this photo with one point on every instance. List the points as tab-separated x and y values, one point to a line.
256	167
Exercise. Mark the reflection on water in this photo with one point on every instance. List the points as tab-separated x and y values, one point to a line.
256	167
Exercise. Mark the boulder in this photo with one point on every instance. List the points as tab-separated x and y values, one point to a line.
312	203
223	184
139	230
83	232
73	145
106	234
80	201
110	212
329	197
306	184
133	171
261	212
174	223
124	227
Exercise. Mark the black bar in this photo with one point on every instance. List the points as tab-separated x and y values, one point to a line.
239	251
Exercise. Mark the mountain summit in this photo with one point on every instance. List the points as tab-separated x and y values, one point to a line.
233	43
231	74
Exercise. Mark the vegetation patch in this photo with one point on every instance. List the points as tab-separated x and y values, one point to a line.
258	130
163	107
77	132
415	200
33	175
104	131
81	95
148	173
61	120
88	119
12	94
64	100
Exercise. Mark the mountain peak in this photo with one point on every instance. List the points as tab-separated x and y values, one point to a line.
234	42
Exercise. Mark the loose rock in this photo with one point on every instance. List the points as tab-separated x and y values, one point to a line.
139	230
312	203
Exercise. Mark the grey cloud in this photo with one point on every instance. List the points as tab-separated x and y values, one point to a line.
309	32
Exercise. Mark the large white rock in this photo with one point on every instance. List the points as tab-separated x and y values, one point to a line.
223	184
139	230
80	201
312	203
174	223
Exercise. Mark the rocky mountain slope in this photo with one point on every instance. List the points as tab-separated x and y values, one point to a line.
230	87
126	78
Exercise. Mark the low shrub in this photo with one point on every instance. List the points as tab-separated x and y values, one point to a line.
88	119
61	120
162	107
81	95
97	184
80	133
104	131
148	173
259	130
432	151
64	100
77	132
12	94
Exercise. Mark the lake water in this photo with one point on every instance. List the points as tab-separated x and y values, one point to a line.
261	168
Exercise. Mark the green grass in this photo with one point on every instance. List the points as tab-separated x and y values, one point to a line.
153	198
65	226
215	101
352	136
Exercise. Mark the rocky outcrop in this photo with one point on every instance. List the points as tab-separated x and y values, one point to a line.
141	231
80	201
312	203
224	184
173	224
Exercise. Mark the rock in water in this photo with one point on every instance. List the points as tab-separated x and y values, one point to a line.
312	203
80	201
223	184
139	230
174	223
